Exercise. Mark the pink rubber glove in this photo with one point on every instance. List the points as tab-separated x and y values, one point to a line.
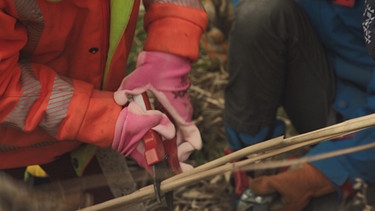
166	76
132	124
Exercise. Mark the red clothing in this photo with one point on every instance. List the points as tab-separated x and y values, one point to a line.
53	59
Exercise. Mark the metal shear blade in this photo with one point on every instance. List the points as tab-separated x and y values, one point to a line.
162	171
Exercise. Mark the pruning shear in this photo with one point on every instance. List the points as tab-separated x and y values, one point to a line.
160	154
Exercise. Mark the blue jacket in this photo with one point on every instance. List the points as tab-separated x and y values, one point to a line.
340	29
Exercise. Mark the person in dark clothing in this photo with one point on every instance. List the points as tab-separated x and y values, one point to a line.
310	58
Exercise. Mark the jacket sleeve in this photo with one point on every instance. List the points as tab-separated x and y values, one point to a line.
174	26
33	96
339	169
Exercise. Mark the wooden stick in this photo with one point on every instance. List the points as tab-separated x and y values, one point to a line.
261	156
272	164
174	182
333	131
274	146
345	127
278	142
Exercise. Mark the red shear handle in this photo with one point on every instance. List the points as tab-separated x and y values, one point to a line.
154	149
170	146
241	181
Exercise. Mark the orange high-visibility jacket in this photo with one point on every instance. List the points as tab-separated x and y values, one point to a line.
58	57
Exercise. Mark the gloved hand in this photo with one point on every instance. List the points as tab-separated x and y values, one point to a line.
132	124
296	187
166	76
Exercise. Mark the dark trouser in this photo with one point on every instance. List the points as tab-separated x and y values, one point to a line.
275	59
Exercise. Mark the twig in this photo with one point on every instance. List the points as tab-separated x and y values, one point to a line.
272	147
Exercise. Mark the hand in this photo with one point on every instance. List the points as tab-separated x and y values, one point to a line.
166	76
296	187
132	124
